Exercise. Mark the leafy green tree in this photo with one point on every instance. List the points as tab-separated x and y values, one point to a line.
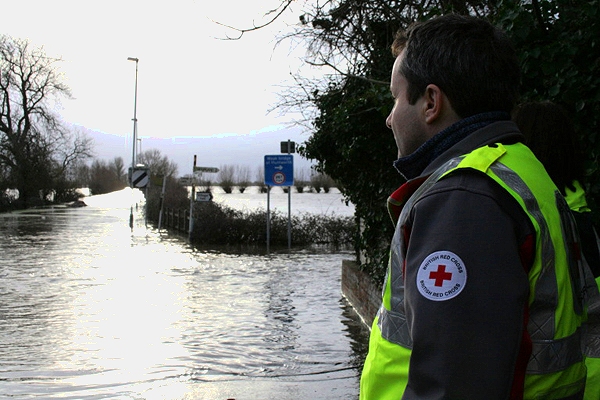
558	45
350	140
559	49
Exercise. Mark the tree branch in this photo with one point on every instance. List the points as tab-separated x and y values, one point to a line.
277	11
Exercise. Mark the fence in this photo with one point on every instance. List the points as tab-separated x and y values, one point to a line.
178	220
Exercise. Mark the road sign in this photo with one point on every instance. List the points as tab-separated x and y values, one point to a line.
288	147
204	196
140	178
279	170
186	181
206	169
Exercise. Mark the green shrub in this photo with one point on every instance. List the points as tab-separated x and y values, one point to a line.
221	225
175	197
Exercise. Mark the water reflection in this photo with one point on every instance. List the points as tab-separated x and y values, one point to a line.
91	309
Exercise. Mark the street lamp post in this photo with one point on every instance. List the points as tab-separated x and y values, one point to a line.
134	135
134	114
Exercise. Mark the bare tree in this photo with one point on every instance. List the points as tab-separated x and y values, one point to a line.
320	181
301	179
243	177
270	16
36	149
226	177
157	163
118	167
81	174
260	179
103	179
343	38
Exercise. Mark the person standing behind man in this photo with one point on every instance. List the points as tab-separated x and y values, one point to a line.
550	134
482	297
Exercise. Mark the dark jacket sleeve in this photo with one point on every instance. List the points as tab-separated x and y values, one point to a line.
467	347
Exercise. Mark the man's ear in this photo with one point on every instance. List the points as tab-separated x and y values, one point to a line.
434	104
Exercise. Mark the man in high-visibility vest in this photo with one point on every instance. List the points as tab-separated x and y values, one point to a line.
483	297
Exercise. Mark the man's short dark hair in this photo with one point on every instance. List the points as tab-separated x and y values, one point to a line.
472	61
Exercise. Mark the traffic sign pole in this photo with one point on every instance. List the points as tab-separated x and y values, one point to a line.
268	217
162	201
279	171
289	149
191	224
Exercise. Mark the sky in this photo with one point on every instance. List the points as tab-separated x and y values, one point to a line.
190	82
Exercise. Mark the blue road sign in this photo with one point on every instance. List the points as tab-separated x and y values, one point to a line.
279	170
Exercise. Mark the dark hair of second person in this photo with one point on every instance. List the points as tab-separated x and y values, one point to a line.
549	133
551	136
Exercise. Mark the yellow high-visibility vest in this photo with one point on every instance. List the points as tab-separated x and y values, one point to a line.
556	368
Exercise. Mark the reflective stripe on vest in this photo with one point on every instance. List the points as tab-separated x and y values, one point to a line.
393	324
549	353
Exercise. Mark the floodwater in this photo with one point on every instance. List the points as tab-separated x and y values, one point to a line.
328	204
91	309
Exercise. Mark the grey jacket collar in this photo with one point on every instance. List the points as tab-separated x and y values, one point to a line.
505	132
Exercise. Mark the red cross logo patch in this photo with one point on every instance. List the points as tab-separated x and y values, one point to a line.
442	275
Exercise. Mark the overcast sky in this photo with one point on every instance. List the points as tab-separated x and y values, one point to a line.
190	83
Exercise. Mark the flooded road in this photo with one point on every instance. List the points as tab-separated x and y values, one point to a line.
90	309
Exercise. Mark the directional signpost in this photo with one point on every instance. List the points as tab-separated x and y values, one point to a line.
200	196
185	181
279	170
203	196
206	169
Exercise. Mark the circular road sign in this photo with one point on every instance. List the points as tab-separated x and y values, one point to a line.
278	178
